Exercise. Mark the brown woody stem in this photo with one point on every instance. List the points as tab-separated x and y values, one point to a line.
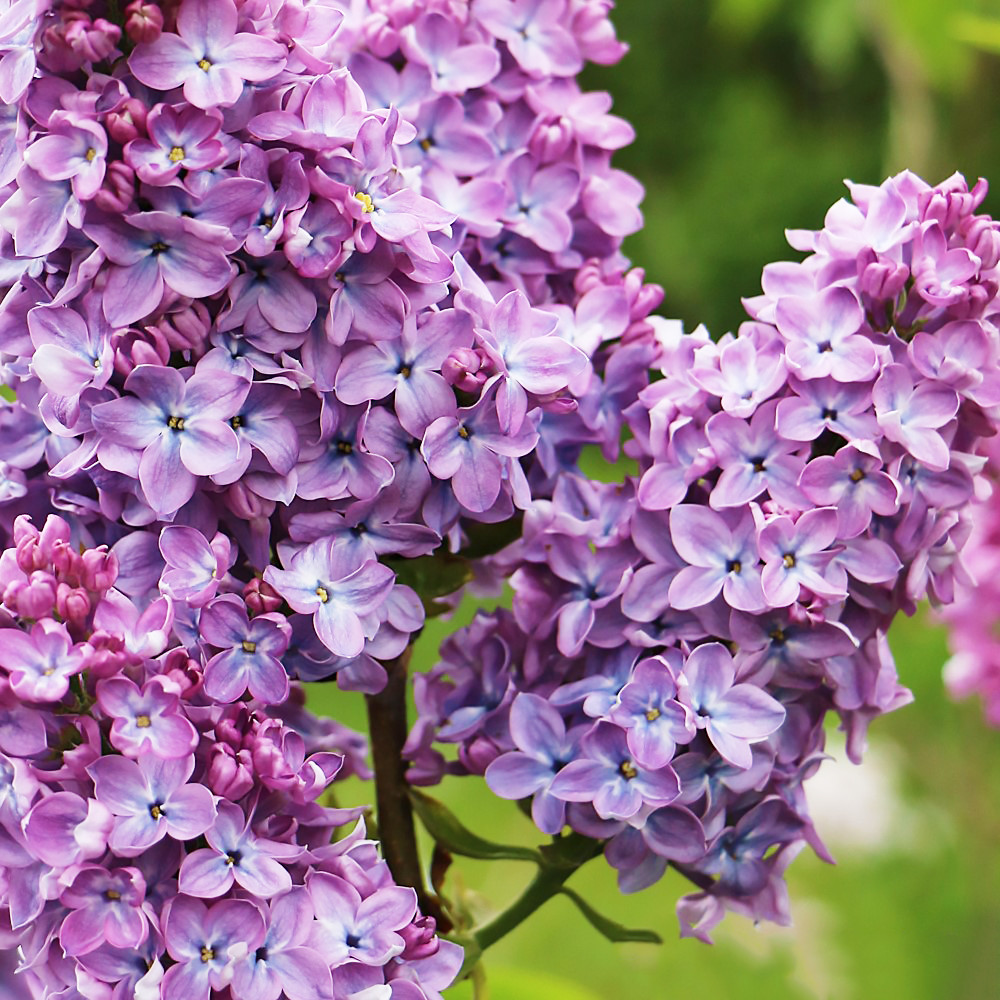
388	725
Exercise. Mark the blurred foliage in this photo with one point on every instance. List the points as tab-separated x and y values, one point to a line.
749	115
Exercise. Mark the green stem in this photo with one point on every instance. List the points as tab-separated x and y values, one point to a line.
546	884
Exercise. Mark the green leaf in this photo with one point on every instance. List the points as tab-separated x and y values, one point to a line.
443	825
979	32
611	930
432	577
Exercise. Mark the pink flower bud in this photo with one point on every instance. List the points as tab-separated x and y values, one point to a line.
134	347
230	773
143	22
463	369
99	570
551	141
260	597
93	41
128	123
36	599
187	328
421	939
118	189
981	235
881	277
73	603
589	276
54	530
381	37
244	503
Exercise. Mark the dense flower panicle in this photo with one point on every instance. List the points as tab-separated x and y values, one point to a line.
798	484
289	293
295	297
142	811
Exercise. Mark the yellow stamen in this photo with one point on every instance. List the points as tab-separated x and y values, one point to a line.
176	154
207	954
321	593
143	721
652	715
628	770
249	647
204	64
90	155
367	205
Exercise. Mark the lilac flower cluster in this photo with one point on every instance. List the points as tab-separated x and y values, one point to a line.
160	839
974	665
288	292
311	275
677	640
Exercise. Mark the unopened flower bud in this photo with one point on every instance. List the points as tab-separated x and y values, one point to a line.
380	36
982	236
128	123
187	328
118	189
230	773
134	347
260	597
551	141
93	41
421	939
73	604
143	22
463	369
100	569
244	503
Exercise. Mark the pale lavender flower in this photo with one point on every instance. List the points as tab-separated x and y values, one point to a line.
146	721
202	942
73	149
40	663
341	591
251	652
195	567
106	906
236	854
349	928
733	715
207	56
151	798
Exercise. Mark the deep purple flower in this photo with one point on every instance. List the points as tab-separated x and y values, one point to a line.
543	748
609	777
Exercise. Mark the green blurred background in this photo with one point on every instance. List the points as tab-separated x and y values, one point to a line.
749	114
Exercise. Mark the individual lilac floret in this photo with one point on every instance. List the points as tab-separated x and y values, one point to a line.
796	554
251	652
75	149
544	747
207	56
733	715
721	550
203	942
611	779
854	483
283	964
107	906
151	798
912	415
146	721
648	710
194	566
178	140
349	928
341	591
236	854
40	664
180	427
